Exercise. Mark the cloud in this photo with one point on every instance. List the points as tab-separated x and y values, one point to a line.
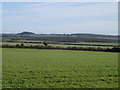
68	10
62	17
73	9
101	27
0	17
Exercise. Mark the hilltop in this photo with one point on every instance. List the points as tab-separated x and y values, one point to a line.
78	37
25	33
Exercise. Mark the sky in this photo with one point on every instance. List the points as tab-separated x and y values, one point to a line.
60	17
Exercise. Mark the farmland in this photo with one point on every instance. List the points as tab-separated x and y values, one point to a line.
42	68
61	40
63	63
82	44
80	37
0	68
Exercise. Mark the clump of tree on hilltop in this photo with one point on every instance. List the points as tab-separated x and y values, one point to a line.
25	33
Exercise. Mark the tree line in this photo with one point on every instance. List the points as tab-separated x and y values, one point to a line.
46	46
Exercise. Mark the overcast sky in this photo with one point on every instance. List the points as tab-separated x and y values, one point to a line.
79	17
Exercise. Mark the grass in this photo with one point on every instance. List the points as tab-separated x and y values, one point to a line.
98	43
60	45
36	68
0	68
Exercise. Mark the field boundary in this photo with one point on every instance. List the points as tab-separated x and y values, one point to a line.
99	49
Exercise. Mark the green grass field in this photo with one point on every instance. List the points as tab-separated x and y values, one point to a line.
100	43
0	68
60	45
40	68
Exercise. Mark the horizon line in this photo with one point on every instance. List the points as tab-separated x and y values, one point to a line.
60	33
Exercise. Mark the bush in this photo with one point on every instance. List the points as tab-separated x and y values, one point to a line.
45	43
22	45
114	49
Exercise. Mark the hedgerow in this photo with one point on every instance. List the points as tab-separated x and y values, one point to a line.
114	49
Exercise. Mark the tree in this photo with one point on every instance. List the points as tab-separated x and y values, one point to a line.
22	45
45	43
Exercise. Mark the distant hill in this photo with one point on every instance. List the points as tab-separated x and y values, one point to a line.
93	35
60	37
25	33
